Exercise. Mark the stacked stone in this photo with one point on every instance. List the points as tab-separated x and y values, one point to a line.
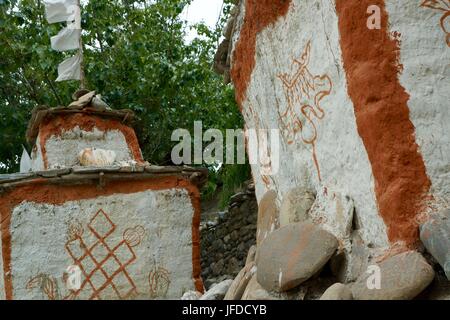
299	244
226	240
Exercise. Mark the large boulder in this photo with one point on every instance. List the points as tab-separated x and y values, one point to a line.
295	205
251	255
293	254
400	277
255	291
435	236
348	265
218	291
240	283
268	216
337	291
191	295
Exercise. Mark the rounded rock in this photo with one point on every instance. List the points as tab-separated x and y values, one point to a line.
337	291
400	277
268	216
293	254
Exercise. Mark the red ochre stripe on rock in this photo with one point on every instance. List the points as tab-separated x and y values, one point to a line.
258	15
371	63
40	191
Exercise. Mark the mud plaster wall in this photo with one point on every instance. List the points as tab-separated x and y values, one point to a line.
62	151
150	237
2	282
299	85
62	138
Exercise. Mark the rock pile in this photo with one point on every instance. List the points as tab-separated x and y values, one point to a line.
300	256
296	251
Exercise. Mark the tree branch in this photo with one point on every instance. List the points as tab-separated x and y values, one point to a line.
55	93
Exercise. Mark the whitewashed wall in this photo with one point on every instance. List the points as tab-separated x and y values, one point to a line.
426	77
154	226
62	150
2	282
340	152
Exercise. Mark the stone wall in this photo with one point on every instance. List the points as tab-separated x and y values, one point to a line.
226	240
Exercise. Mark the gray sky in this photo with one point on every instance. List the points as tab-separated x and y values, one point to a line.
206	11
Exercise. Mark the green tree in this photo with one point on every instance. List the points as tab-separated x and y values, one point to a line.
136	56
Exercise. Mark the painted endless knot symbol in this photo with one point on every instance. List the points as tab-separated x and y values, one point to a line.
102	260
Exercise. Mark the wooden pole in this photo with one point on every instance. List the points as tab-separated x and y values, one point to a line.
81	53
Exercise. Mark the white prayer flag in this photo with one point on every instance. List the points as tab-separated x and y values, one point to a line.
70	69
67	39
61	10
25	161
